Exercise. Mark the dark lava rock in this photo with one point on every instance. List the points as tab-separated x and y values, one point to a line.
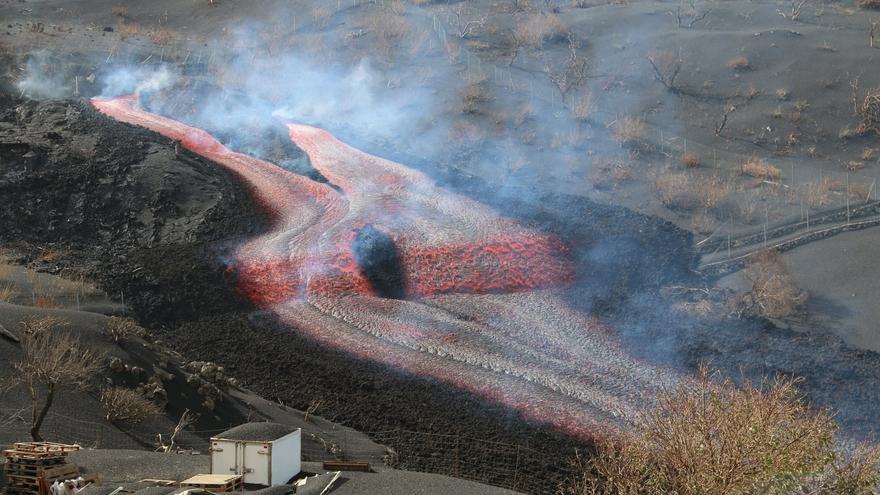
147	219
379	261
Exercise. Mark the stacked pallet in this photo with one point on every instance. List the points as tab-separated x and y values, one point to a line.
31	467
215	483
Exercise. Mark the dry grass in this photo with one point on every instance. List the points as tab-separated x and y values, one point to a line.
122	405
162	37
691	160
868	4
739	63
582	106
679	191
628	130
772	292
7	292
608	174
710	436
533	30
118	328
867	108
127	30
760	169
474	93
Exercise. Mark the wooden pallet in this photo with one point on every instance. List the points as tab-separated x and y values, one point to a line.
45	447
50	474
217	483
159	482
37	451
35	463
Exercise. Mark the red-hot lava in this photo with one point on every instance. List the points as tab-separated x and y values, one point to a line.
480	310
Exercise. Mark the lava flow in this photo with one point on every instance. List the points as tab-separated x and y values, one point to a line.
478	303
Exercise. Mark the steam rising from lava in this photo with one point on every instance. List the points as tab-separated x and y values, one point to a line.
482	310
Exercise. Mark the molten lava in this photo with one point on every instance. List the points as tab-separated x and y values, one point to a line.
477	305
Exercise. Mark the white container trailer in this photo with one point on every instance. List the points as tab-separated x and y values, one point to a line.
263	453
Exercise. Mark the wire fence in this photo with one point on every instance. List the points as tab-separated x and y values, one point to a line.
512	466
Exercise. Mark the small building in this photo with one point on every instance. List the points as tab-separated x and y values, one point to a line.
262	453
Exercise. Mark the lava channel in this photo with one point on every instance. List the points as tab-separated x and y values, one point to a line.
477	298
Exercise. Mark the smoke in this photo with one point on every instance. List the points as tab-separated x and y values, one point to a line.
42	78
126	80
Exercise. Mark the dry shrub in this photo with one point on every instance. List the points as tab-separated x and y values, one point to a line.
389	30
703	223
760	169
679	191
868	4
856	473
46	301
859	191
127	30
607	174
464	133
868	110
691	160
854	165
7	292
819	193
709	436
119	11
536	29
582	106
122	405
474	93
118	328
628	130
162	37
772	292
739	63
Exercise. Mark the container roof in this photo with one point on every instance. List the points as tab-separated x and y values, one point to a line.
257	432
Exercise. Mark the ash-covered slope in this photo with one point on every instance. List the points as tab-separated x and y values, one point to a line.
132	208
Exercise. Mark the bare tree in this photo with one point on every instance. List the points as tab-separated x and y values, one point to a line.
572	72
796	7
688	15
667	65
725	115
51	359
465	20
186	419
